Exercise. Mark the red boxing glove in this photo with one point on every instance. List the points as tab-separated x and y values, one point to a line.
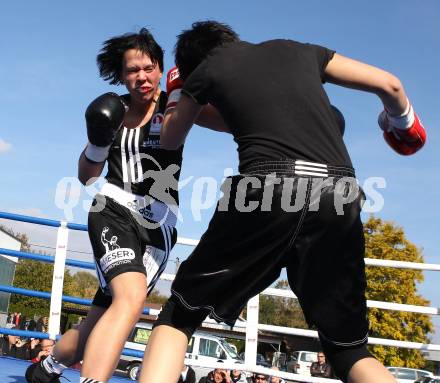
174	88
404	133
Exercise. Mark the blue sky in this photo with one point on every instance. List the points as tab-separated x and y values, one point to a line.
49	76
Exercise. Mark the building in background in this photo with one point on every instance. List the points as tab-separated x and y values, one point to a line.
7	271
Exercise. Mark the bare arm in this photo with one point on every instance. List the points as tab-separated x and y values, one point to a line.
88	169
177	123
210	118
354	74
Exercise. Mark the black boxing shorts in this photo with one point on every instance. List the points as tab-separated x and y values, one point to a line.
122	244
294	214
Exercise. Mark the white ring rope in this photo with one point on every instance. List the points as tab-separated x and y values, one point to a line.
373	304
258	369
242	326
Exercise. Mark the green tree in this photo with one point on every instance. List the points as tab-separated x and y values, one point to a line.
20	237
155	297
85	284
280	311
34	275
385	240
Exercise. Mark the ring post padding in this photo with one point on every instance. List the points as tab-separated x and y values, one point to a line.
252	331
58	281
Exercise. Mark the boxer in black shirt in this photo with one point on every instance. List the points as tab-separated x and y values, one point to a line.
295	203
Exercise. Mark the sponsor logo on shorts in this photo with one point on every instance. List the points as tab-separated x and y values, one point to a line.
115	258
146	212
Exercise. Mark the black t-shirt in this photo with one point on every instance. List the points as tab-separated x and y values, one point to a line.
137	152
272	98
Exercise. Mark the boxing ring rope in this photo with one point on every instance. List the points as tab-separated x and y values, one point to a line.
252	326
269	291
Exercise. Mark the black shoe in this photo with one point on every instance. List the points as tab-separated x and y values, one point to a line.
36	373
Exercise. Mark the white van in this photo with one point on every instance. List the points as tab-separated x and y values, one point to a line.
201	347
301	361
408	375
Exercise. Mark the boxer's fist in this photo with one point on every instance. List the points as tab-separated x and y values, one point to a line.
405	133
104	117
174	88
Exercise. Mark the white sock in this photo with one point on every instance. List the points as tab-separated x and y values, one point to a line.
51	365
88	380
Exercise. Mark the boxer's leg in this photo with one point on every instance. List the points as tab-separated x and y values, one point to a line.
118	251
369	371
67	351
108	336
326	270
70	348
168	342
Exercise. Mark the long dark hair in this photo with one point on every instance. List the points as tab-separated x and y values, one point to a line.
110	58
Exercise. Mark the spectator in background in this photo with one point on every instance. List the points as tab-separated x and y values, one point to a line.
219	375
13	346
17	319
24	323
34	347
10	322
11	317
32	325
42	349
276	379
40	325
187	375
260	378
238	376
321	368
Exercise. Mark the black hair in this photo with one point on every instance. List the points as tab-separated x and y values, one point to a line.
110	57
195	44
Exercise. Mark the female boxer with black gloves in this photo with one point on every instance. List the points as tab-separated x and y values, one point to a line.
132	219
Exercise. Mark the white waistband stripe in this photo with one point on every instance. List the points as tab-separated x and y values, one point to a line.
151	209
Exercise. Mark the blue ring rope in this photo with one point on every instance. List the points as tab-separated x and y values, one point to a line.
24	333
41	221
43	335
46	295
46	258
49	259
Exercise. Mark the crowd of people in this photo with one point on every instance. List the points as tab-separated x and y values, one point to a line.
36	350
31	349
26	348
320	368
221	375
23	322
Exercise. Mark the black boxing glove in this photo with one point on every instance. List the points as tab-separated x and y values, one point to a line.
340	120
104	117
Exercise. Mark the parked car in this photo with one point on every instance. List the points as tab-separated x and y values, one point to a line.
202	346
428	379
261	360
408	375
300	362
